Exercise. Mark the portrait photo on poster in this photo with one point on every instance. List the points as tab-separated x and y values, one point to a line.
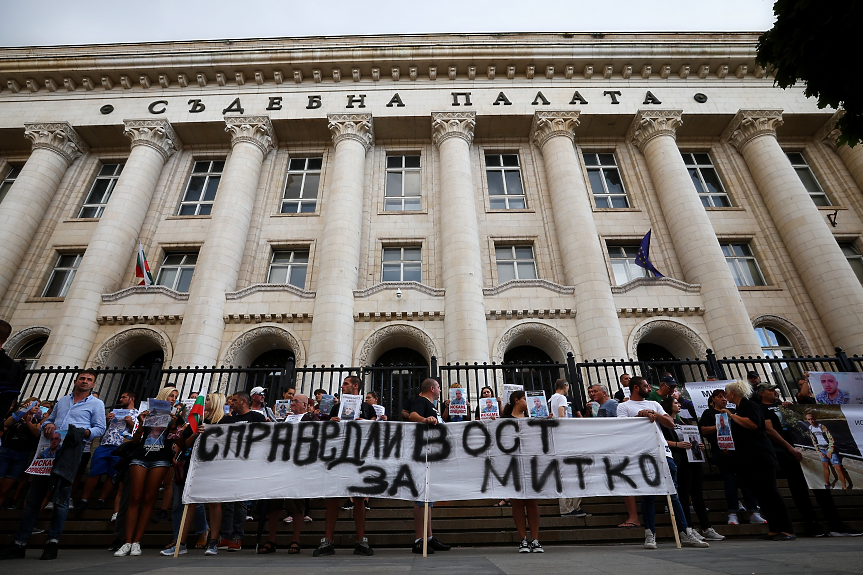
457	401
837	388
536	404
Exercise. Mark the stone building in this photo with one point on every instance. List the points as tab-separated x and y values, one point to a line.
357	200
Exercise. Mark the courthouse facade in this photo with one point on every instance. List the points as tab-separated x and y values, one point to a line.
357	200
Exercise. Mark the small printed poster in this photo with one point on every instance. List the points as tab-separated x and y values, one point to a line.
379	410
294	417
508	388
536	405
160	413
282	408
457	402
488	409
118	431
47	449
227	409
723	432
327	403
349	407
690	433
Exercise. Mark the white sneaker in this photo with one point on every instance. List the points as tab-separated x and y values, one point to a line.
124	550
756	519
649	539
524	546
113	518
49	506
695	534
688	540
136	549
732	519
169	552
710	534
288	519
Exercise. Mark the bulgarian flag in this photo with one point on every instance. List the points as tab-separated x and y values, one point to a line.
142	268
196	414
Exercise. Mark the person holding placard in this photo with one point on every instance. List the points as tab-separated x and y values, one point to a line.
486	393
456	408
568	506
373	399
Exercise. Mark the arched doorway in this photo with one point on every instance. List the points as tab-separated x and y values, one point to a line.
396	376
657	342
536	369
137	379
270	370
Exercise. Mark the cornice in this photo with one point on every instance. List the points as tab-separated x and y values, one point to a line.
155	134
660	311
530	313
267	318
829	134
378	316
446	125
153	289
139	319
392	286
255	130
547	125
650	124
59	137
356	127
749	124
651	282
259	288
513	284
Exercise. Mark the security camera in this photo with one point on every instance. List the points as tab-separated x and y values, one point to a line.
399	293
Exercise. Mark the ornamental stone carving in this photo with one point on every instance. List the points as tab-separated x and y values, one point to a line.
270	332
670	329
649	124
59	137
534	328
15	342
749	124
255	130
114	343
357	127
453	125
829	134
396	330
156	134
787	328
547	125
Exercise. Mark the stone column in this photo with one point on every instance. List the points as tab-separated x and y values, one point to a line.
338	255
465	331
113	244
695	243
853	157
599	334
834	289
219	260
55	147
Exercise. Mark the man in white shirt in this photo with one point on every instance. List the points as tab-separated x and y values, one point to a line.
558	404
259	403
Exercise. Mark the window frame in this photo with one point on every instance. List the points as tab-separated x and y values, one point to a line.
629	263
290	265
401	262
301	199
201	202
856	256
599	167
736	259
70	277
181	266
503	171
402	171
808	167
9	180
695	165
112	180
515	260
770	350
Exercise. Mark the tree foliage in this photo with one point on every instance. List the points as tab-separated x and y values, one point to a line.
818	42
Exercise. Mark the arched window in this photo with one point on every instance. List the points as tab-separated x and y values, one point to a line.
31	351
774	343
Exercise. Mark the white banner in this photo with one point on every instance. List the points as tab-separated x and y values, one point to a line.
520	458
837	388
699	393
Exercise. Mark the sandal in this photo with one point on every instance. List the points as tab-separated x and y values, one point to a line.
502	503
294	549
268	547
628	524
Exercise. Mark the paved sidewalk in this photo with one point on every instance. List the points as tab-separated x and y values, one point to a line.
742	556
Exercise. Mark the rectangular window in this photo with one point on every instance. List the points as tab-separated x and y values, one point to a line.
403	191
854	258
301	186
605	182
744	268
177	270
504	182
8	181
706	180
798	162
623	264
402	265
289	267
201	191
62	275
514	263
99	194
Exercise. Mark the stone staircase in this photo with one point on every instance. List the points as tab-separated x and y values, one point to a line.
389	523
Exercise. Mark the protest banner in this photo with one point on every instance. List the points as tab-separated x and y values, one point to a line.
699	393
837	388
457	402
43	461
522	458
723	432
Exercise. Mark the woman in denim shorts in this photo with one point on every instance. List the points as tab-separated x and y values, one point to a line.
20	438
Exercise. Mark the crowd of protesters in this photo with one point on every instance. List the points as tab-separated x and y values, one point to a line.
141	459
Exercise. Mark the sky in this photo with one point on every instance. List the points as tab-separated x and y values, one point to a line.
59	22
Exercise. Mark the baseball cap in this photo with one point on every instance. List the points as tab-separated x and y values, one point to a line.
752	374
766	387
668	380
258	390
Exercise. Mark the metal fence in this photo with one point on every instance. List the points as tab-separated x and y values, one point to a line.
396	385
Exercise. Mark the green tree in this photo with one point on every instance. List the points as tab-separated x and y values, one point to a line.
818	42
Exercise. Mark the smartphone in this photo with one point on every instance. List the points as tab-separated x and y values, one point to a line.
44	409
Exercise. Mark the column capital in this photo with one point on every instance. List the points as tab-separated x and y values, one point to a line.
749	124
59	137
547	125
649	124
357	127
255	130
156	134
453	124
829	133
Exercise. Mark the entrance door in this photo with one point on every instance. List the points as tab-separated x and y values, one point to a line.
396	376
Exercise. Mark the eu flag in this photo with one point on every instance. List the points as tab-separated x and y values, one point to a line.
643	257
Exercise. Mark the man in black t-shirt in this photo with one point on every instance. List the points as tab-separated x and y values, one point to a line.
423	410
350	386
789	458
